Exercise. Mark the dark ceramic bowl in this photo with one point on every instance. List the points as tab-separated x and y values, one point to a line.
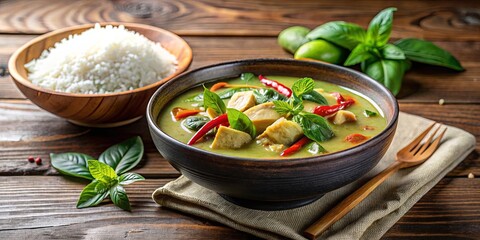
273	184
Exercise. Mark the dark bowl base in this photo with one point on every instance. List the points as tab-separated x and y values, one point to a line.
270	205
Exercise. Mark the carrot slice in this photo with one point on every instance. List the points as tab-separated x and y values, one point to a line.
181	113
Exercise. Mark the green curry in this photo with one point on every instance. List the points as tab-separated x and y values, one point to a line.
310	117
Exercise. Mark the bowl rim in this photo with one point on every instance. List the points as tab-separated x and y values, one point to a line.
15	75
290	160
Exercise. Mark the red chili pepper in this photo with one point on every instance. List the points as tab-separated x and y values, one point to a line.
222	119
295	147
355	138
282	89
329	110
338	96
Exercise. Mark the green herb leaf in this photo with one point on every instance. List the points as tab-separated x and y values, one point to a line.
229	93
101	171
247	77
426	52
119	197
213	101
315	97
314	127
296	104
315	148
264	95
387	72
72	164
195	98
195	122
239	121
390	51
123	156
128	178
302	86
347	35
90	197
283	108
359	54
101	187
369	113
380	28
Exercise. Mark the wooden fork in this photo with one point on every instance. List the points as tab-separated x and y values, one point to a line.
411	155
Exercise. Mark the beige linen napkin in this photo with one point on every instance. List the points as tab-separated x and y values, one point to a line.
369	220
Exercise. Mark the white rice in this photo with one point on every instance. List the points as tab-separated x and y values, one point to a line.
101	60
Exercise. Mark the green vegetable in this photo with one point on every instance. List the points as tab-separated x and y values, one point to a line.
247	77
314	126
388	72
380	28
293	37
426	52
108	173
315	97
229	93
321	50
362	52
213	101
195	122
302	86
344	34
239	121
264	95
315	148
369	113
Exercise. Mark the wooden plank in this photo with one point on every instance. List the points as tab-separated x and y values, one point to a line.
444	20
27	130
421	84
44	208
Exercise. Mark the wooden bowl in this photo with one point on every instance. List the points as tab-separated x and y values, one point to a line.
94	110
273	184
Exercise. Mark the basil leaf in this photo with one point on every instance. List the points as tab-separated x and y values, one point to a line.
128	178
344	34
390	51
296	103
426	52
369	113
380	28
119	197
101	171
195	122
229	93
90	197
72	164
239	121
315	148
314	127
196	98
123	156
213	101
101	187
267	95
246	77
283	108
359	54
387	72
302	86
315	97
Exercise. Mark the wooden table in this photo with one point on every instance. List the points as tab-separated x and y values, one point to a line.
36	202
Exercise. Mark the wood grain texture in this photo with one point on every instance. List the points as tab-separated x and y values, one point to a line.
426	84
27	130
442	20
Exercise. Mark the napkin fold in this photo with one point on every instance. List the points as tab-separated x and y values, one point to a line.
368	220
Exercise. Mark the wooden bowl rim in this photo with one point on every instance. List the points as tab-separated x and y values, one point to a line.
183	63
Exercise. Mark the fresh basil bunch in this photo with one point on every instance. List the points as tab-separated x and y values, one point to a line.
108	173
379	59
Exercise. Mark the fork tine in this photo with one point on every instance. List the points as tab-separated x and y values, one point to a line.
434	144
419	138
428	141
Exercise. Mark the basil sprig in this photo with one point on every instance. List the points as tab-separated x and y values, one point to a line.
109	173
381	60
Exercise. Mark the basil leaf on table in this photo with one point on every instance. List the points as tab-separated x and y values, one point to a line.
380	28
359	54
387	72
90	197
239	121
128	178
123	156
390	51
344	34
72	164
119	197
315	97
213	101
264	95
314	127
426	52
195	122
101	171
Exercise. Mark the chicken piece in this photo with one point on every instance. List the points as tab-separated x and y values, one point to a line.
343	116
281	131
230	138
242	101
262	115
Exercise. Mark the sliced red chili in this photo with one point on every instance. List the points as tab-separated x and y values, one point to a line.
282	89
355	138
338	96
329	110
222	119
295	147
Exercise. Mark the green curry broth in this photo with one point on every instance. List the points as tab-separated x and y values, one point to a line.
176	130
